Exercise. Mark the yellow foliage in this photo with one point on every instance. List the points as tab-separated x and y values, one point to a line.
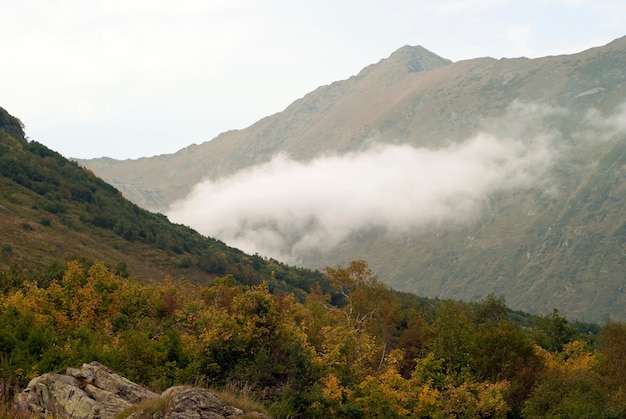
34	302
74	276
225	328
83	306
384	395
575	357
491	399
86	300
333	390
428	403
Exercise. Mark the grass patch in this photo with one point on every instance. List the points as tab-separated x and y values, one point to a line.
240	396
145	409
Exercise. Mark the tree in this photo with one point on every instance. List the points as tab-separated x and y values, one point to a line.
570	386
361	292
553	331
370	311
503	353
613	362
452	333
489	310
414	341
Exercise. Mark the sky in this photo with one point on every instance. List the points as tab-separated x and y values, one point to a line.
133	78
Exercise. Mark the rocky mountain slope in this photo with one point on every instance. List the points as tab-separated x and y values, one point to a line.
557	244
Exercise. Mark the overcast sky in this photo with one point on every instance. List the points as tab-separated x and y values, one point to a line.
132	78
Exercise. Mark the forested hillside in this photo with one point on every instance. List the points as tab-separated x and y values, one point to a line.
52	211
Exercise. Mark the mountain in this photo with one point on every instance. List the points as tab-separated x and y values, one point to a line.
351	347
554	240
52	211
323	120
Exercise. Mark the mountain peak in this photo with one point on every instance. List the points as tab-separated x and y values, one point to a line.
407	59
418	58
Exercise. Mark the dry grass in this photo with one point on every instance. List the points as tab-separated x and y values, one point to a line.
241	397
8	390
145	409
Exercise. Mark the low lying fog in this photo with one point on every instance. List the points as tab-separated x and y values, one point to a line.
286	208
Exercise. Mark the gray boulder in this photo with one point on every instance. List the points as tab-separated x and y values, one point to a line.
94	391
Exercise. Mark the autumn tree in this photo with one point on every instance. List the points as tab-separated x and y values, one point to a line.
370	312
612	363
570	386
361	292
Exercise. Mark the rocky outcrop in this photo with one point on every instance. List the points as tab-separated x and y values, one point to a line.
95	391
12	126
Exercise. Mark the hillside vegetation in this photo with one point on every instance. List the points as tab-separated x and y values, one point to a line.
53	211
370	352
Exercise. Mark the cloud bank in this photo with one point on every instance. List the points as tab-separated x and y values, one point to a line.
604	127
285	208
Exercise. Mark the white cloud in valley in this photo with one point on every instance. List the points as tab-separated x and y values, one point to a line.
286	208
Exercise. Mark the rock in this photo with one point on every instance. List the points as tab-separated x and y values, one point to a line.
56	395
196	403
105	385
95	391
